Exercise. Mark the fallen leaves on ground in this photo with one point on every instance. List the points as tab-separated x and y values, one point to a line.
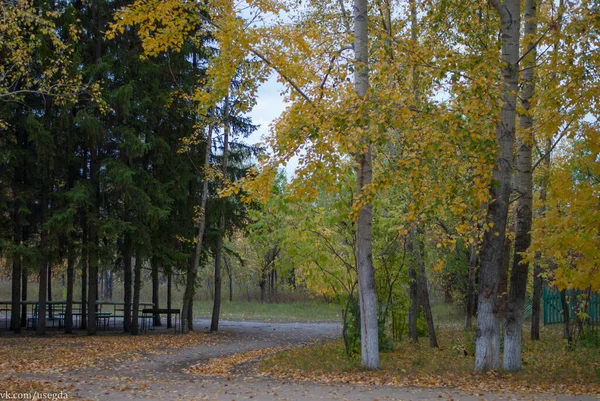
224	366
14	384
548	367
67	352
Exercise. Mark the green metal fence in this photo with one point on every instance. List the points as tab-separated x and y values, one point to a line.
553	306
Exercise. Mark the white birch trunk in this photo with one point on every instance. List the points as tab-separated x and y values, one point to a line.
518	278
364	258
487	352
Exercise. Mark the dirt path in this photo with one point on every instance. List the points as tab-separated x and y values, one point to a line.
163	376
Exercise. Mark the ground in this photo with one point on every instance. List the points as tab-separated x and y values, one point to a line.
181	374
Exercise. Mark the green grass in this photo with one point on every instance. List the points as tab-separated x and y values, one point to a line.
447	315
309	311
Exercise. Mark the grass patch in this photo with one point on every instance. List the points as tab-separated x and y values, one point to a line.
447	315
311	311
547	366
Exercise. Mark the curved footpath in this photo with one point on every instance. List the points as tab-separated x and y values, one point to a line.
163	376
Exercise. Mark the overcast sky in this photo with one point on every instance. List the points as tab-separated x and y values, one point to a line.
269	106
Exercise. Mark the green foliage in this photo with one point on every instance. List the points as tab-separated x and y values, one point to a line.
352	338
352	329
590	338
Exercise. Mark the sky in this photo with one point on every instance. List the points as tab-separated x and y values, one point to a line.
269	105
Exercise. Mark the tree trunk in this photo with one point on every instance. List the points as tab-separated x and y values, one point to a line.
187	319
107	284
83	262
70	258
566	317
470	306
50	287
155	294
214	324
364	245
536	302
538	281
24	276
518	279
423	290
487	354
93	245
413	287
70	284
503	293
127	283
263	282
41	322
92	283
169	278
15	317
137	284
41	318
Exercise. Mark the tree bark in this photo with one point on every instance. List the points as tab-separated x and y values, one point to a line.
538	281
137	285
43	249
127	283
70	258
92	283
424	291
107	284
94	171
70	284
83	262
155	294
413	287
50	287
93	245
169	278
487	354
24	277
187	320
567	333
15	312
513	327
214	324
470	307
364	245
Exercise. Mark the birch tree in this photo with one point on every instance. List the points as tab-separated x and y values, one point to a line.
487	354
513	326
364	241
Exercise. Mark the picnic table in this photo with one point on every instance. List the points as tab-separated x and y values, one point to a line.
175	312
56	312
118	311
